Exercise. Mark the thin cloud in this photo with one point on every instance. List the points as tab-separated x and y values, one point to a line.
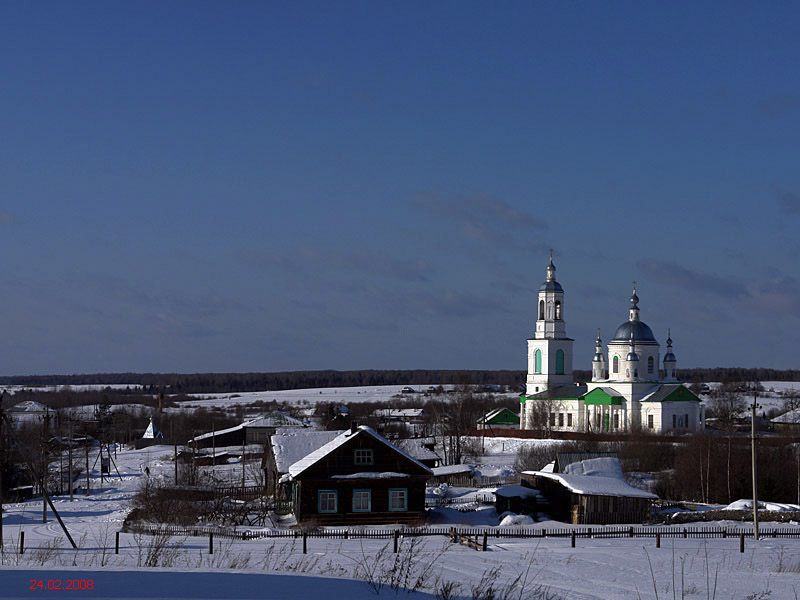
779	105
788	201
7	219
480	217
690	279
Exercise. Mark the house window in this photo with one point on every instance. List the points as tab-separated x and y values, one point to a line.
650	364
569	419
552	419
398	499
674	421
363	456
537	362
362	500
686	421
560	419
560	362
650	422
326	502
616	364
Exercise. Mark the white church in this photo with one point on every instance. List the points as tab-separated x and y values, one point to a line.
629	390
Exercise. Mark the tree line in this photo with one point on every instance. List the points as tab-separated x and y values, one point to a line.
202	383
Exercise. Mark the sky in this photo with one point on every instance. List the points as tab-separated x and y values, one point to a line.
263	186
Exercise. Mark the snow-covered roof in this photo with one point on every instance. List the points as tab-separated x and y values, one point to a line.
595	477
210	434
793	416
275	419
415	448
304	463
516	491
289	446
492	414
370	475
399	413
151	432
451	470
30	406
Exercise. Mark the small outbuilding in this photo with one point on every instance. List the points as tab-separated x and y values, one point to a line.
502	418
592	491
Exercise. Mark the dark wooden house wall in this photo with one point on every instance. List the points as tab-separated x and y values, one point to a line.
341	461
589	509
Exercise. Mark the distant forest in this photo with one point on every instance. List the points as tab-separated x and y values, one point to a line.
199	383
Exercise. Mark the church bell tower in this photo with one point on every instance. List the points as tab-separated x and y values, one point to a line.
549	350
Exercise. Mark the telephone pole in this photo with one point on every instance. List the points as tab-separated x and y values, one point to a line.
754	453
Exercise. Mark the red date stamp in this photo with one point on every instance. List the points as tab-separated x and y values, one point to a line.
58	584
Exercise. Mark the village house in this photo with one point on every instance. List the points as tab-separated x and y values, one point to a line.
358	477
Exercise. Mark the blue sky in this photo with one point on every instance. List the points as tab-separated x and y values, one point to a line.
199	186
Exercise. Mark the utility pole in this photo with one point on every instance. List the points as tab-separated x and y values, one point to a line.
70	457
243	441
754	406
88	484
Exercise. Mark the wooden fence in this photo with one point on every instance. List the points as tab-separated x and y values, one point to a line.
491	532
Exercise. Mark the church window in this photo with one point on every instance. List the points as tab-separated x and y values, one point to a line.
537	362
636	372
616	364
673	373
650	423
569	419
560	362
560	419
627	372
541	310
552	419
616	420
650	364
558	310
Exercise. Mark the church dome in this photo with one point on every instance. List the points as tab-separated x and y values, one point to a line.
551	286
642	334
670	357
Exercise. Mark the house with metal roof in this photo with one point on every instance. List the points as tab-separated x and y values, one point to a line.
502	418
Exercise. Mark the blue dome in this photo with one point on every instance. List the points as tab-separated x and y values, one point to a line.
642	334
551	286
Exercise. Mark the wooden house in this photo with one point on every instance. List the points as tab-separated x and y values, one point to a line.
591	491
358	477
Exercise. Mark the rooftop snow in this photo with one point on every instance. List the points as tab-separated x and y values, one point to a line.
289	446
304	463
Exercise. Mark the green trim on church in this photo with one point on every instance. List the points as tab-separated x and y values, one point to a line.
673	393
599	397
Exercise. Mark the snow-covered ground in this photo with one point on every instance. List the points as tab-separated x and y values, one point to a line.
597	568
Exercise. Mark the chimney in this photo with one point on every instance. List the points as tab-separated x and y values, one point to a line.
353	427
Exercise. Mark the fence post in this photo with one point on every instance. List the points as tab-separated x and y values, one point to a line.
396	536
211	543
573	538
22	542
724	533
658	540
590	532
305	543
346	533
116	545
685	533
741	542
485	540
630	532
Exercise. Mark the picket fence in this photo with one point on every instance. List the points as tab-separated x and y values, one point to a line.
491	532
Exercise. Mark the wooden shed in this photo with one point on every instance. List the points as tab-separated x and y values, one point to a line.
592	491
